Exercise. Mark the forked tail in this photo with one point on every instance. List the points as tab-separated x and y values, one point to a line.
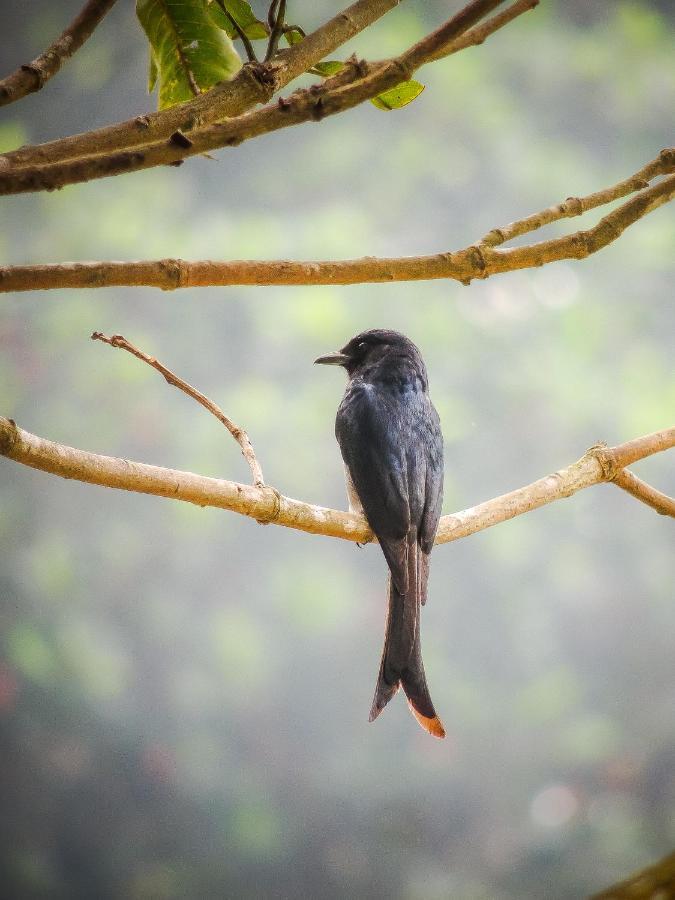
401	664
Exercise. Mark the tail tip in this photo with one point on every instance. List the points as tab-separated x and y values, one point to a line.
432	724
383	694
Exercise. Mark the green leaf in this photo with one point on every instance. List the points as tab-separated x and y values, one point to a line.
329	67
153	72
293	37
191	53
399	96
242	14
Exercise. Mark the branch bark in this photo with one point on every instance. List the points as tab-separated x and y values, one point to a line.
662	503
253	84
266	505
240	436
33	76
313	104
480	260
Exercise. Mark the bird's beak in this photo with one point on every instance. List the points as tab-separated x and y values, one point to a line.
332	359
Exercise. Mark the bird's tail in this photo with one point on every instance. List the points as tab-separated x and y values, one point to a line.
401	664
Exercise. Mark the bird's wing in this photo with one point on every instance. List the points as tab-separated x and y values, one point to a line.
433	495
433	488
368	432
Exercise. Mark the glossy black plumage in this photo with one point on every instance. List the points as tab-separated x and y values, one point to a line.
391	442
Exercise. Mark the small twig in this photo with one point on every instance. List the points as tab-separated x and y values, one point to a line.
276	23
33	76
662	503
479	33
240	436
248	46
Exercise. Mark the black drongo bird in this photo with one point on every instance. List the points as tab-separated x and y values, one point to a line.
391	442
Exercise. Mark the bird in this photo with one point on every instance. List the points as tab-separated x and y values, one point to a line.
391	442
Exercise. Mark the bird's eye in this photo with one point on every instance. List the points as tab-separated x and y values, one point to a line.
363	346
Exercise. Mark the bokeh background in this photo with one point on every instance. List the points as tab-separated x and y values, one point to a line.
183	692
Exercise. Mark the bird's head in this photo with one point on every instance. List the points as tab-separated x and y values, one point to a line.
374	349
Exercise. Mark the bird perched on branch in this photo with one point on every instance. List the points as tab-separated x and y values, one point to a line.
392	446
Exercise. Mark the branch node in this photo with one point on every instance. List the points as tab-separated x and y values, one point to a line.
8	438
478	261
36	72
605	457
176	273
180	140
667	158
572	206
318	110
493	238
275	497
406	70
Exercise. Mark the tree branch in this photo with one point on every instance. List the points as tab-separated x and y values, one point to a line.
479	260
253	84
479	33
662	503
313	104
240	436
33	76
656	882
267	505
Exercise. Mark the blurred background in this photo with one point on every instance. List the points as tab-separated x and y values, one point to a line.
184	693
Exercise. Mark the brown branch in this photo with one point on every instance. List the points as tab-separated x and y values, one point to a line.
240	436
476	261
662	503
656	882
33	76
253	84
313	104
479	33
277	15
267	505
576	206
241	34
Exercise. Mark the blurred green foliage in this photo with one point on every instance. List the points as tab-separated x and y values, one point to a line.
184	693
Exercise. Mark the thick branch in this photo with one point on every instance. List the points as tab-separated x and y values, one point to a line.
303	106
33	76
268	505
476	261
253	84
240	436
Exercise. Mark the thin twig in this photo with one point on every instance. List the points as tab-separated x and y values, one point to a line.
240	436
662	503
479	260
33	76
265	504
248	46
479	33
276	23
